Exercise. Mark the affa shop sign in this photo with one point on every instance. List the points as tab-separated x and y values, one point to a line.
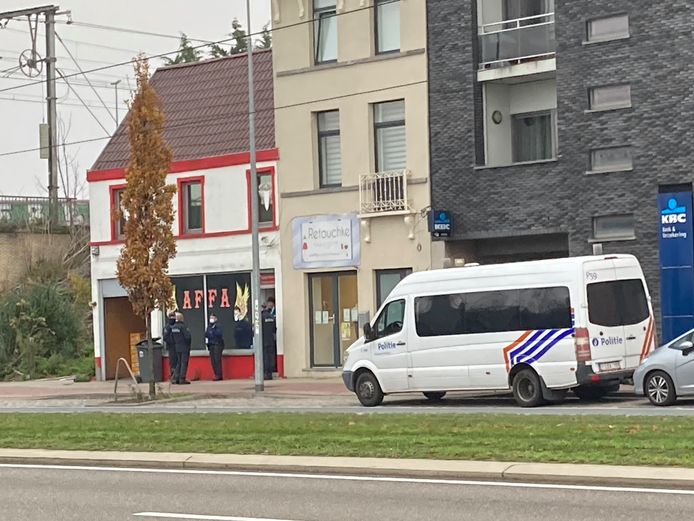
326	241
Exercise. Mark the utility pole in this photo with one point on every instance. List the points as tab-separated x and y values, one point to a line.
115	88
255	275
30	64
51	100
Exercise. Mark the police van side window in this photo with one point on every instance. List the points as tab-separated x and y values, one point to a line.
493	312
617	303
391	319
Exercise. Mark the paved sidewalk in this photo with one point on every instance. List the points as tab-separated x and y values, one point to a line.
56	389
654	477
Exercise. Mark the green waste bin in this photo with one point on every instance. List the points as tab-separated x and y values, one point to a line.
143	354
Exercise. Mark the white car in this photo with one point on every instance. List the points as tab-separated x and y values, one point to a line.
668	373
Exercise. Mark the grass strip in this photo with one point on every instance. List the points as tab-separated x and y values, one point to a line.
536	438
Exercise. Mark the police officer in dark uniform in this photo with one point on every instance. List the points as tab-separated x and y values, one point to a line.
214	338
183	341
269	323
170	345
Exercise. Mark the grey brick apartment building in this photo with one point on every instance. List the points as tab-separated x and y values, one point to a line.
556	124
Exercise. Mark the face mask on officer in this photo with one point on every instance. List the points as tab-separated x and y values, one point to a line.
213	320
237	315
172	320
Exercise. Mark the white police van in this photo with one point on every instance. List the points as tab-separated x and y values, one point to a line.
539	328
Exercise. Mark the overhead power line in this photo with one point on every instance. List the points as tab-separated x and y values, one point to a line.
198	122
131	31
201	46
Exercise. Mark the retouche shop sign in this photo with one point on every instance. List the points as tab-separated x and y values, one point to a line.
326	241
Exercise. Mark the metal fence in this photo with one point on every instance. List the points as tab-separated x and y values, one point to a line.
34	211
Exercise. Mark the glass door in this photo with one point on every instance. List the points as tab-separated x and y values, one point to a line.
334	317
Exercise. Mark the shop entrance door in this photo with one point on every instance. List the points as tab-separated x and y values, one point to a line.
334	317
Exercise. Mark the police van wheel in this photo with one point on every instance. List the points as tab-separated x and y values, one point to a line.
527	389
434	396
368	390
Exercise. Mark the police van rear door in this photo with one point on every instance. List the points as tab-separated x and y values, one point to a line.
604	317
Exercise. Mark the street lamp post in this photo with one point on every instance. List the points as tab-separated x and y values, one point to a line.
255	275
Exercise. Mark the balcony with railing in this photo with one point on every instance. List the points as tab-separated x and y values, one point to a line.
30	212
384	193
510	42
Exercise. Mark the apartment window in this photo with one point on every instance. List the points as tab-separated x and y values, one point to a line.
613	159
192	214
325	30
611	227
514	9
608	28
387	26
118	224
389	126
532	137
266	203
610	97
329	153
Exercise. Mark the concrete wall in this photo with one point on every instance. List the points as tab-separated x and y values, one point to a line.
558	195
352	85
19	251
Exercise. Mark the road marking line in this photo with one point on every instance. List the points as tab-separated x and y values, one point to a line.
338	477
199	517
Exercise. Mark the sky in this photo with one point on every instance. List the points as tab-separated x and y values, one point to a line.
22	109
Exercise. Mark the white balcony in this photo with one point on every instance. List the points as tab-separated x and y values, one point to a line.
384	194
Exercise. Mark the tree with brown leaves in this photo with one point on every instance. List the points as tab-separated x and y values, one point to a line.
148	207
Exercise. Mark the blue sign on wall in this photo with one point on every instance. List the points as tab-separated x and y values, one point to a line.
676	263
441	223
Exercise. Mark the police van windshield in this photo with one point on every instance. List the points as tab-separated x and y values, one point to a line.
617	303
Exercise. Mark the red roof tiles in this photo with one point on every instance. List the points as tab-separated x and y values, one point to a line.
206	107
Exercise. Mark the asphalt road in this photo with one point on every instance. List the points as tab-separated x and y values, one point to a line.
57	494
623	404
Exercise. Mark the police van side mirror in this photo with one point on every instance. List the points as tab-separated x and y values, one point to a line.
368	332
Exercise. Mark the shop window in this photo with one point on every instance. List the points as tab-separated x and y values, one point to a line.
325	30
387	23
386	280
191	211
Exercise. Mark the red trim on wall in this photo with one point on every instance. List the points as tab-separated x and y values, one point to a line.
275	226
112	191
94	176
181	184
234	367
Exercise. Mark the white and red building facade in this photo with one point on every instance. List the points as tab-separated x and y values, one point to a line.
211	170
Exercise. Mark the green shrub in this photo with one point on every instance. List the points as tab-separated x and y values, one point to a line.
43	331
